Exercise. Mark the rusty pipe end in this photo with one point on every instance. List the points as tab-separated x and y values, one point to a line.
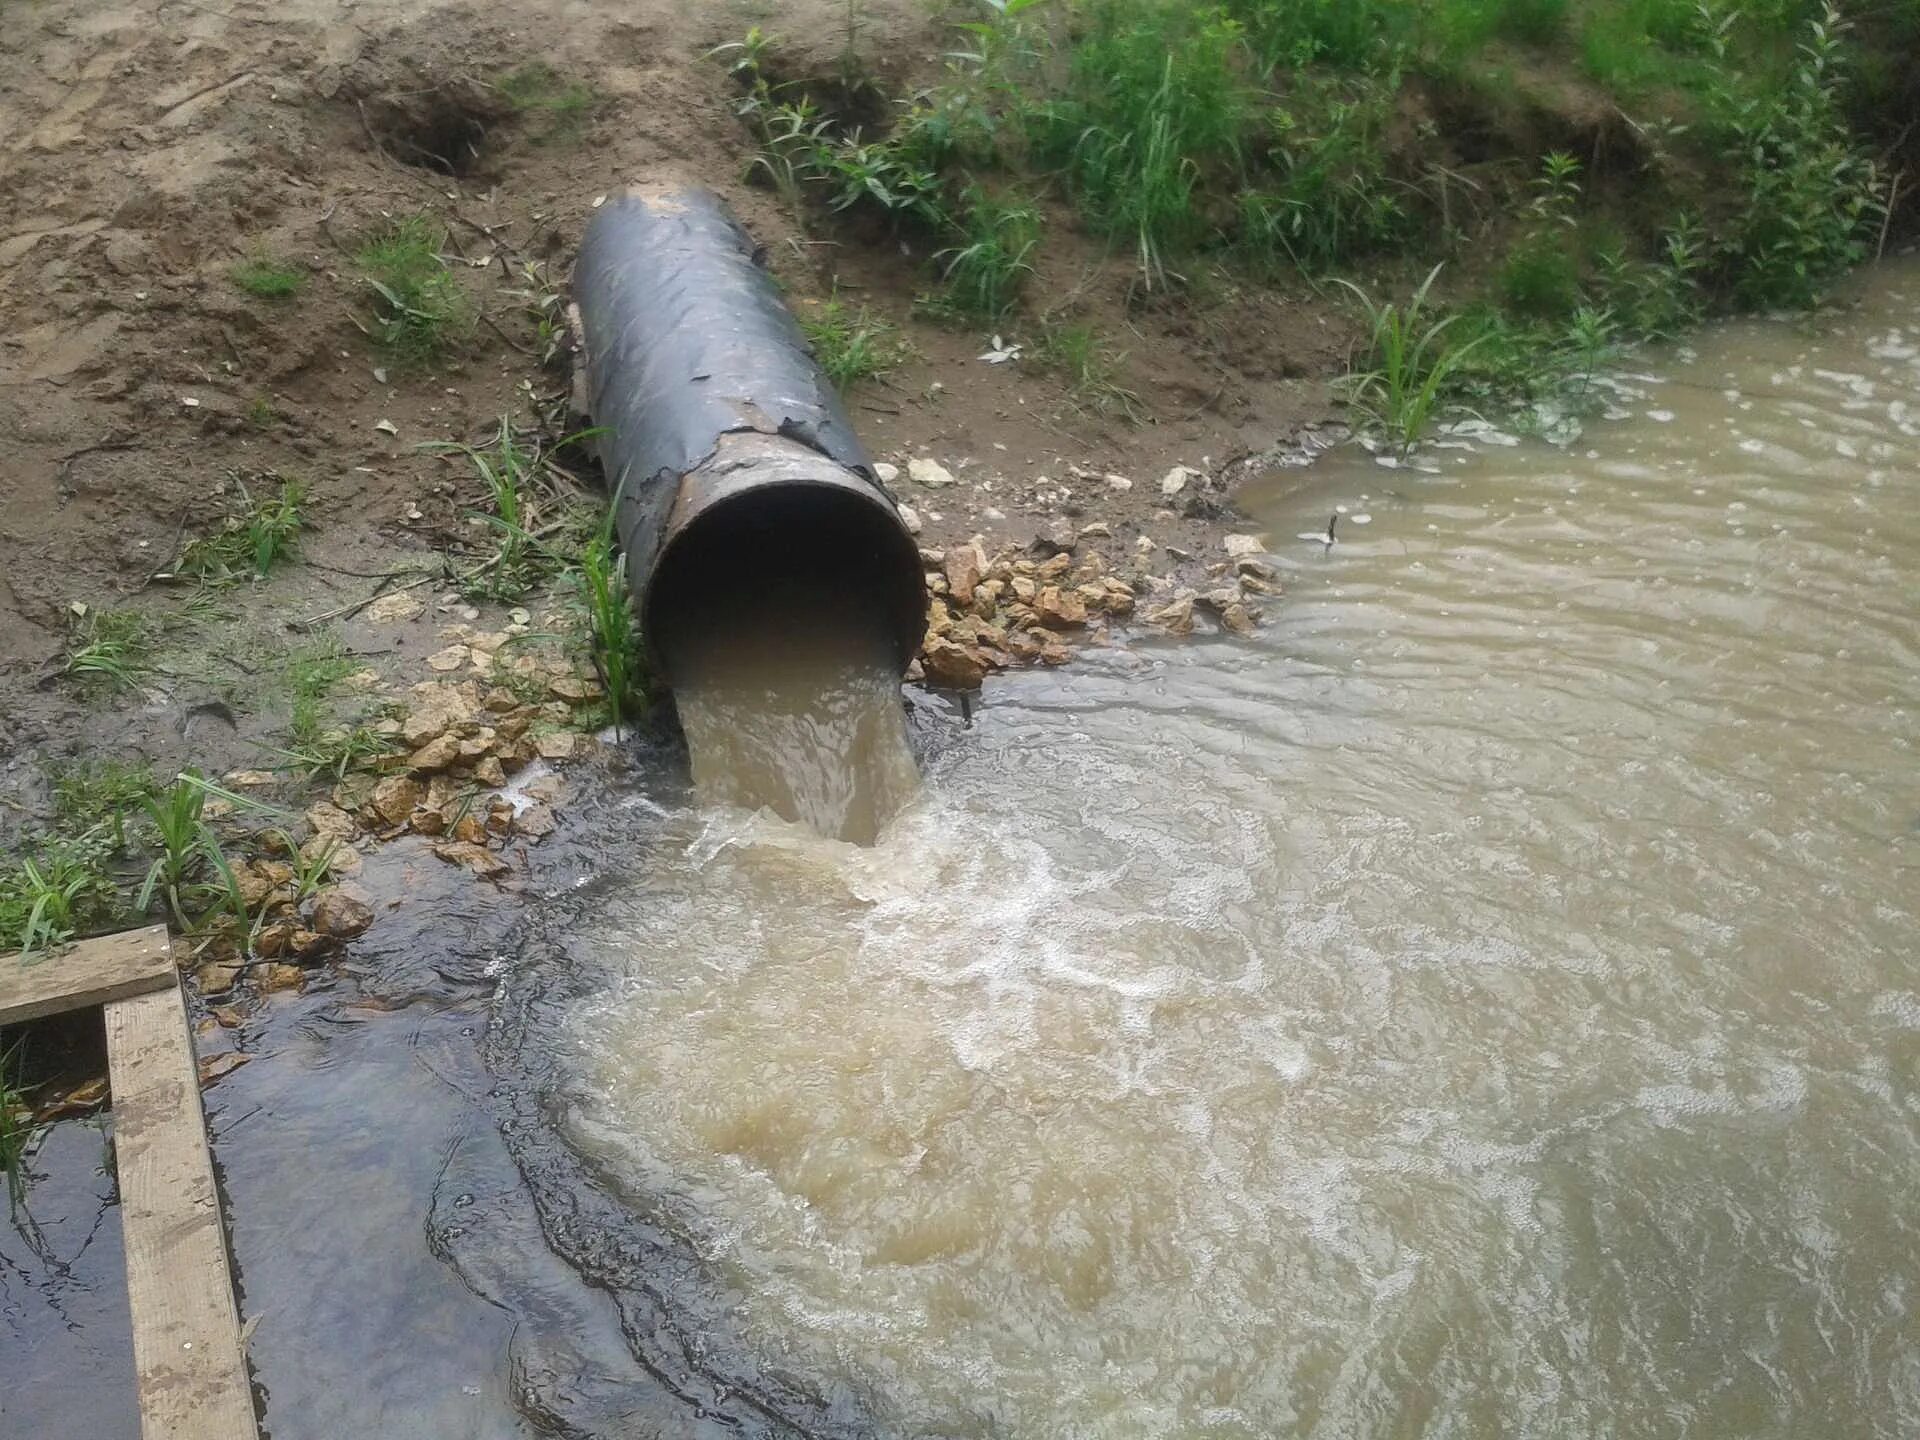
772	521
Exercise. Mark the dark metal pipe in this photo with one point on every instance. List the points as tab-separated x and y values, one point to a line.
734	462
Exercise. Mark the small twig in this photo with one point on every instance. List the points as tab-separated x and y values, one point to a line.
373	139
493	326
1886	219
327	230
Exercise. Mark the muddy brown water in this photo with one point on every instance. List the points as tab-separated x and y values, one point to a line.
797	712
1485	1003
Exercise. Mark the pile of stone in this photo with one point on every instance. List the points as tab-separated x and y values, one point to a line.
991	613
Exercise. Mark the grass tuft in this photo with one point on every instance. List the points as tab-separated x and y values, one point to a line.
51	895
268	277
1412	361
561	107
421	313
613	637
851	345
984	275
108	649
252	538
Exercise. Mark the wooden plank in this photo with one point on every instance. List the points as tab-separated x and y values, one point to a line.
186	1336
90	972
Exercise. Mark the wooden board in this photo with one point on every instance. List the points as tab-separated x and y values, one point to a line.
186	1336
91	972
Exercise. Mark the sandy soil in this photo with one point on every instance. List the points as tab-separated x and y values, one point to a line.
149	146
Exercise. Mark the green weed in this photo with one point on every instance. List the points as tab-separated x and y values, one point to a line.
1089	366
613	639
1157	106
108	649
267	277
1812	196
337	750
49	896
252	538
1411	363
985	274
422	313
310	675
850	345
176	816
89	792
559	107
1330	197
227	894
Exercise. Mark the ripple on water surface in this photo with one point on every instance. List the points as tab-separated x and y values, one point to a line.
1483	1005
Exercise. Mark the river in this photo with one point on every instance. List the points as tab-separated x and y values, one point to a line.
1485	1003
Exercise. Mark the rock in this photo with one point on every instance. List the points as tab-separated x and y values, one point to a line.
339	914
307	943
1119	482
1250	567
930	473
469	830
428	822
249	779
1239	545
490	771
1176	618
254	887
1057	539
213	1067
1108	596
216	976
1099	530
1055	654
1177	479
1238	619
273	977
571	688
435	710
437	754
1025	588
395	797
956	666
391	609
500	701
939	617
477	858
556	744
451	658
1023	646
1054	569
910	518
1058	609
326	818
273	940
535	822
963	568
341	858
885	473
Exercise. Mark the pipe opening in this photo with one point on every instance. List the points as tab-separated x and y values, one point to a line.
773	555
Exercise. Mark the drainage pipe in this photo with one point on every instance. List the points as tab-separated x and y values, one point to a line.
734	463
